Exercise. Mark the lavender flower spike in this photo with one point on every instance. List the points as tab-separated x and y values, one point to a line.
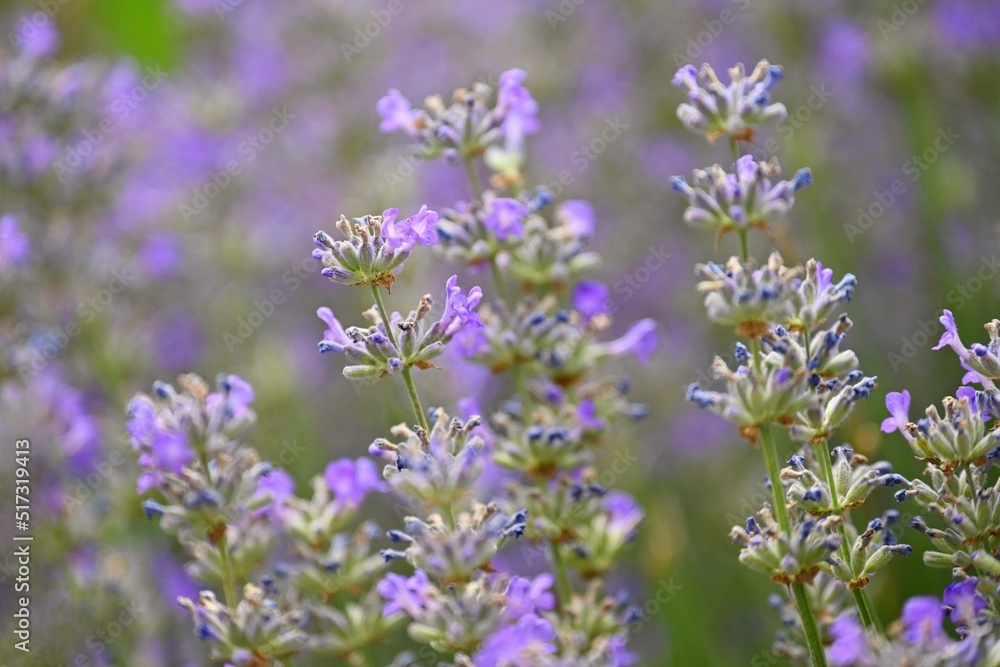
717	110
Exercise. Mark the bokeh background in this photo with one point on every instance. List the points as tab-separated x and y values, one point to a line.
877	92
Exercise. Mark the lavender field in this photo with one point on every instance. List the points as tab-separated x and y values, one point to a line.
550	333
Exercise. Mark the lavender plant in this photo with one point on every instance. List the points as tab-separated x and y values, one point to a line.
300	576
795	375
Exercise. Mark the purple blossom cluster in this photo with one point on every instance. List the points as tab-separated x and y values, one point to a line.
795	374
331	591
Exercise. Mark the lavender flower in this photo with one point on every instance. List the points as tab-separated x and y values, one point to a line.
723	203
351	481
850	645
375	246
965	603
716	110
528	643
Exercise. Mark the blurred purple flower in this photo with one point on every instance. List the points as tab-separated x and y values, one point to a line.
964	602
280	485
586	412
407	594
169	450
517	108
578	216
625	511
640	340
520	645
590	298
397	114
922	617
527	596
36	39
504	216
351	480
14	244
850	645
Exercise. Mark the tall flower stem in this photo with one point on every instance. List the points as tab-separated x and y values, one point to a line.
861	600
809	626
411	388
226	572
564	590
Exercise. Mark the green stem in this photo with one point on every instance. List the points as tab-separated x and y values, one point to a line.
734	148
411	388
744	246
477	185
809	627
227	573
498	284
770	450
861	600
563	589
449	516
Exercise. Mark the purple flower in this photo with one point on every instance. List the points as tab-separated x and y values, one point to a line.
517	108
640	340
504	216
590	298
898	405
459	308
421	227
142	420
950	335
408	594
578	216
14	244
37	40
964	602
397	114
618	654
527	596
351	481
280	485
334	338
524	644
586	412
850	646
232	402
169	450
922	617
625	513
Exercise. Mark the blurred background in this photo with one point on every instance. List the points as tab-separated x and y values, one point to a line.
161	230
